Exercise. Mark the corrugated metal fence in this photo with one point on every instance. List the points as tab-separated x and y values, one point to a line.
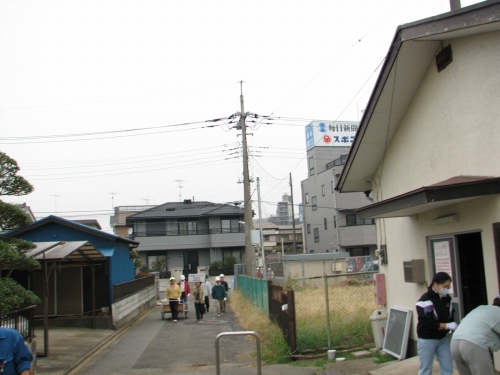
255	290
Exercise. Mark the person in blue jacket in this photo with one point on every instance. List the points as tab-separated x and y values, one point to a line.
15	357
435	319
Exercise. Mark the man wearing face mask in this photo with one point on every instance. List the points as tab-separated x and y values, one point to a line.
435	319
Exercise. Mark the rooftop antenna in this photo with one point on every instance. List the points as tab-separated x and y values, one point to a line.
146	200
113	200
180	189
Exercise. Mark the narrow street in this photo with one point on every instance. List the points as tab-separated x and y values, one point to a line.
156	346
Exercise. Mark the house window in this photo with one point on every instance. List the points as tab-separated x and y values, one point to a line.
335	221
311	166
316	235
323	190
314	204
364	221
350	219
156	228
230	226
308	228
324	223
188	228
307	198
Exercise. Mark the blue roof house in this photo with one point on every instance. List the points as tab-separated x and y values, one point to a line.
118	267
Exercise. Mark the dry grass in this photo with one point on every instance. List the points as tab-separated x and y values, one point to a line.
274	348
350	307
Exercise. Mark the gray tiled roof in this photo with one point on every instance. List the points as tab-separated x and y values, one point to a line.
193	209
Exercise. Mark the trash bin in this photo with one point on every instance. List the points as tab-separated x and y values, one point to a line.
379	321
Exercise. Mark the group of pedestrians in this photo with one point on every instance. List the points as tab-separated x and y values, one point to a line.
177	292
473	342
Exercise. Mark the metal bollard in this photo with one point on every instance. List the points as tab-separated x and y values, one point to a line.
237	333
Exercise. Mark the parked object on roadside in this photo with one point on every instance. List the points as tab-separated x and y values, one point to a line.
208	292
219	294
199	300
435	319
185	290
15	356
173	294
226	285
476	338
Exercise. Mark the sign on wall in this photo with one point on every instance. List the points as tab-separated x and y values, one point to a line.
330	133
442	258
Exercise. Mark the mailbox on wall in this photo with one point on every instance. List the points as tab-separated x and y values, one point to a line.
414	271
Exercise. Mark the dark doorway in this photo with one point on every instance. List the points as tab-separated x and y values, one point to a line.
471	265
190	262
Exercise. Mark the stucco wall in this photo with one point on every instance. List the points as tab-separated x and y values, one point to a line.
452	125
450	129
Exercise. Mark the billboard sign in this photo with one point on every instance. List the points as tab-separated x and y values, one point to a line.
330	133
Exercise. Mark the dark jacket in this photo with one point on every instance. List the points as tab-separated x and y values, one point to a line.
219	292
433	310
226	285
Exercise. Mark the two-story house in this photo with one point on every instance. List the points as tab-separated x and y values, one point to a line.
189	234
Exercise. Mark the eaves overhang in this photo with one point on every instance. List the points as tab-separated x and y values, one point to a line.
412	50
452	191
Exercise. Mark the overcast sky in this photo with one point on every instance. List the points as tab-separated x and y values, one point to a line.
110	102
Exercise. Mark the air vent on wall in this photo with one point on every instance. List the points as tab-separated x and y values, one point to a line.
444	58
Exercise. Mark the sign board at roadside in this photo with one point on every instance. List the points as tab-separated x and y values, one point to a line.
194	277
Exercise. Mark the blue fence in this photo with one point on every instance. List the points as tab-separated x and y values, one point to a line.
255	290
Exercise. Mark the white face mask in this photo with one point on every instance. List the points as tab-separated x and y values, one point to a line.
443	292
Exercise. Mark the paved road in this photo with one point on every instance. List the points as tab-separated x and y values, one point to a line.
156	346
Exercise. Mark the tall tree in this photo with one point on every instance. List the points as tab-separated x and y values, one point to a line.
13	250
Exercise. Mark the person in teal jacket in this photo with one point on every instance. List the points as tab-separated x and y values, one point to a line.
219	294
476	338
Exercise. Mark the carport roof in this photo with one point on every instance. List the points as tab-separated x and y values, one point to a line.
65	251
451	191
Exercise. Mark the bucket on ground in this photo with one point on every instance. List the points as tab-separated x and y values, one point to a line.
332	354
379	321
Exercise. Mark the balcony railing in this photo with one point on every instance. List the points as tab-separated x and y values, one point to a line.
187	232
21	320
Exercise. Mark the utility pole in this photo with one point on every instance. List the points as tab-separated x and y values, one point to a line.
264	267
293	217
249	253
455	4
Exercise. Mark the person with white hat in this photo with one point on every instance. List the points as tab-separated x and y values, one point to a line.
219	294
185	290
223	282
